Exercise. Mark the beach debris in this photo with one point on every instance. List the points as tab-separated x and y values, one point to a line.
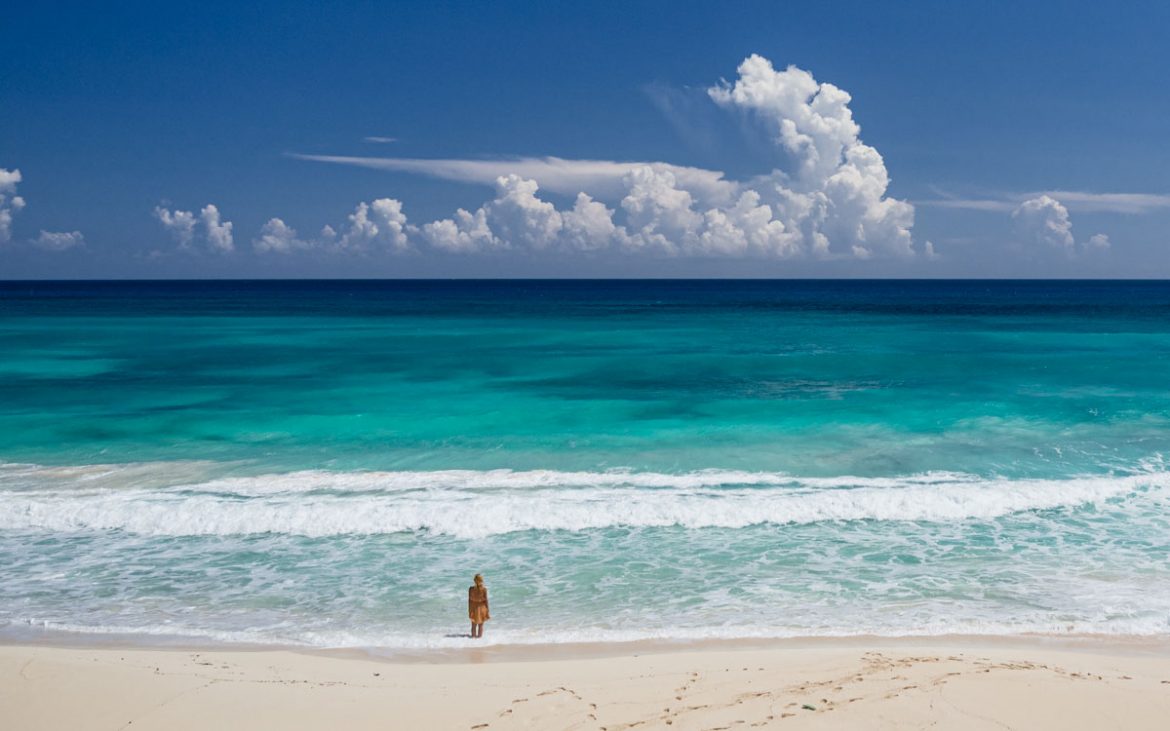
808	707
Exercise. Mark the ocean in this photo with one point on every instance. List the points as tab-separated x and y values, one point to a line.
327	464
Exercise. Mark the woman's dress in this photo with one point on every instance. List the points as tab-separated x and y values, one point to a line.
477	604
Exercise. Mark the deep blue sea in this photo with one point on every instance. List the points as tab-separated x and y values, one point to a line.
328	463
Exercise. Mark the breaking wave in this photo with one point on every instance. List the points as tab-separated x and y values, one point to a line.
475	504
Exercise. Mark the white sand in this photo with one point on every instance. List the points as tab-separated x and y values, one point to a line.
944	684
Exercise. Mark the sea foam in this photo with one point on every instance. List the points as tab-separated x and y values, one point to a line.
474	504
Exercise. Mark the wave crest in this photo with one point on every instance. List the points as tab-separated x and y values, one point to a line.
475	504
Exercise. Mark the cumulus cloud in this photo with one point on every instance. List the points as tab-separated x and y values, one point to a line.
660	214
9	180
465	233
1045	221
811	121
659	217
589	225
826	198
219	233
59	241
1098	242
835	184
180	224
517	217
10	202
188	229
278	237
380	224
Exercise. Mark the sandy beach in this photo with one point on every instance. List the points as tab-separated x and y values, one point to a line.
941	684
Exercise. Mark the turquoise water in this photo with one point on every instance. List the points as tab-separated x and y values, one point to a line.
328	463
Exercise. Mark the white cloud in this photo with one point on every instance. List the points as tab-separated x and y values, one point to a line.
180	224
589	225
1044	221
278	237
59	241
1098	242
380	140
762	231
811	121
660	217
465	233
361	230
601	178
519	217
747	227
9	180
837	184
10	203
208	227
660	214
379	224
219	234
1074	201
1081	201
829	200
972	204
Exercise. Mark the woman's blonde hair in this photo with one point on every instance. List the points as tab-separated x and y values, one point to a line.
478	578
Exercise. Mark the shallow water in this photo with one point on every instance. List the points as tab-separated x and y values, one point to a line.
328	463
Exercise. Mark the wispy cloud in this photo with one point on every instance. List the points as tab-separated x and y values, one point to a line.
59	240
602	178
970	204
1109	202
1073	200
380	140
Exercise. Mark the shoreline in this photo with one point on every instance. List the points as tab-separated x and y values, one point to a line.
975	683
1136	645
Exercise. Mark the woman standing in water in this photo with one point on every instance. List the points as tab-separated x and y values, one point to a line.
477	606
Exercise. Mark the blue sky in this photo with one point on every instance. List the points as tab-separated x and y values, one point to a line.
1018	139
